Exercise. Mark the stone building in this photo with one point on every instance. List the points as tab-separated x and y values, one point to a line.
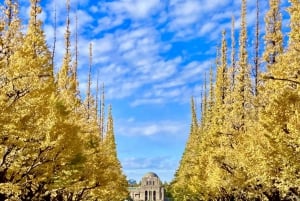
151	189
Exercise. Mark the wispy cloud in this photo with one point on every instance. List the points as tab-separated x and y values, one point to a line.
161	162
175	88
129	45
133	8
184	13
190	18
137	167
168	128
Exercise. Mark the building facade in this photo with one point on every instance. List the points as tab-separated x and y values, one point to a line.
151	189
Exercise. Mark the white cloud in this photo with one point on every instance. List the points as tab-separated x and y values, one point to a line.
122	90
170	84
209	5
184	13
130	58
147	101
152	128
161	162
187	17
134	8
175	88
103	45
84	20
206	28
127	45
186	8
94	9
223	15
108	22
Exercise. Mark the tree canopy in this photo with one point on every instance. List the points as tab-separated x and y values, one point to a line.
248	146
51	144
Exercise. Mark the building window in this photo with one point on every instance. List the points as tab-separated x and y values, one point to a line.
154	195
146	195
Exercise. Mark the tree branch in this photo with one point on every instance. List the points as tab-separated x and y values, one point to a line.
281	79
227	167
80	195
8	151
37	162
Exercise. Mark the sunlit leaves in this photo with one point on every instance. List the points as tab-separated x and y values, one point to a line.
49	149
249	148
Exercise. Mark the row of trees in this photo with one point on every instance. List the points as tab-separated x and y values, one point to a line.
247	144
53	145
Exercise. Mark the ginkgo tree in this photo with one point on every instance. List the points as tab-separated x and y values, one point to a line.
50	147
249	144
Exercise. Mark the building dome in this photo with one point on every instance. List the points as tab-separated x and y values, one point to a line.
150	174
150	188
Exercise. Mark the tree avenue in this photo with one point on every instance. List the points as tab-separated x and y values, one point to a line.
51	144
247	145
56	146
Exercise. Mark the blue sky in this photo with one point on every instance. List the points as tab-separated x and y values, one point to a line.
152	56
